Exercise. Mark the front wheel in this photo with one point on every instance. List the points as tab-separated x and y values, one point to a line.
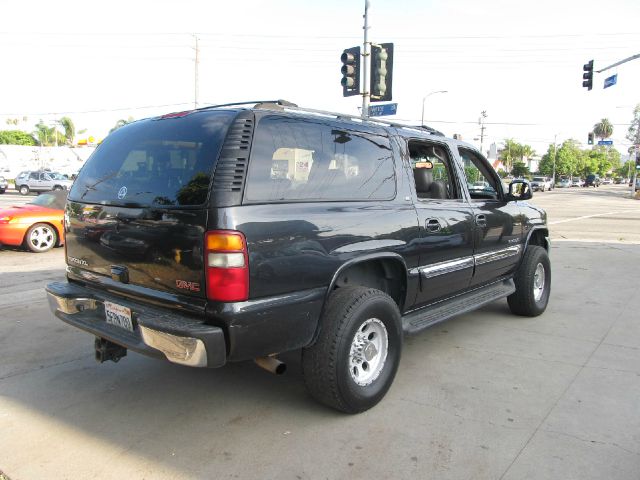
533	283
352	364
24	190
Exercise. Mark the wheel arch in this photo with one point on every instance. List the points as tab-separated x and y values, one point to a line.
385	271
539	236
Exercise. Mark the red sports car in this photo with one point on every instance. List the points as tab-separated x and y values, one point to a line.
38	225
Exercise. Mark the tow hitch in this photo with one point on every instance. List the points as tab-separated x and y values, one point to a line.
106	350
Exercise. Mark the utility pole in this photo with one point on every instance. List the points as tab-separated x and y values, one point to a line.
366	62
483	115
555	152
195	76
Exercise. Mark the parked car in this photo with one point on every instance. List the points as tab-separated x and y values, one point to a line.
232	233
41	182
3	185
541	183
607	181
577	182
564	183
592	181
37	225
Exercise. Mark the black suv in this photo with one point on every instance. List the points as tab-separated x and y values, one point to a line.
232	233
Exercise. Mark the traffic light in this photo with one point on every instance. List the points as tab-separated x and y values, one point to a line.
587	76
350	72
381	72
590	138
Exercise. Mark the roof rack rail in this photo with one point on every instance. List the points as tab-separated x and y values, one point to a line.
348	116
257	103
286	105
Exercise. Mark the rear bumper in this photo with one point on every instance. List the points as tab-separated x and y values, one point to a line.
157	332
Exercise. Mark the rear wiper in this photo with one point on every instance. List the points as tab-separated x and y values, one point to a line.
100	180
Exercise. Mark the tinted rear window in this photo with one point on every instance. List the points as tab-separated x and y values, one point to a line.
295	159
161	162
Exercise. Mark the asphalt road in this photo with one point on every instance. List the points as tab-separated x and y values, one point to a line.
483	396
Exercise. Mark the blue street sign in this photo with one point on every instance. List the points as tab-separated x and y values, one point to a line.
605	142
609	81
380	110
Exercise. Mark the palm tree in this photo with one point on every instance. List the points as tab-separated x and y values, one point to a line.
69	129
603	129
44	135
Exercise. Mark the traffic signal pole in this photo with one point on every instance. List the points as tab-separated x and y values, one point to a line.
366	63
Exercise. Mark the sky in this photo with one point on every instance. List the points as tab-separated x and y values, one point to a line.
521	62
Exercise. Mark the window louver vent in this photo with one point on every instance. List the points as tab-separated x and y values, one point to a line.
231	168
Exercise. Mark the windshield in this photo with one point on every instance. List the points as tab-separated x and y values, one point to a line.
56	176
157	162
538	179
51	200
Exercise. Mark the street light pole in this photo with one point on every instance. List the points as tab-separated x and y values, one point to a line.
424	98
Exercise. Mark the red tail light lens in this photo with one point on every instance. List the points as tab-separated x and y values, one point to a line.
227	266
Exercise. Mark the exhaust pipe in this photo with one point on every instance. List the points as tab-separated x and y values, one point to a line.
271	364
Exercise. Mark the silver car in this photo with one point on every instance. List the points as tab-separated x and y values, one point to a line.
41	182
3	184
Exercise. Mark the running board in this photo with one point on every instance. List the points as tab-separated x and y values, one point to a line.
418	320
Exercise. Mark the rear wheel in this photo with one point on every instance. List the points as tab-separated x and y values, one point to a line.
24	190
40	238
533	283
57	188
353	362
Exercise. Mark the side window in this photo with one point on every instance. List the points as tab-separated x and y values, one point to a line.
482	185
432	171
34	176
46	177
296	159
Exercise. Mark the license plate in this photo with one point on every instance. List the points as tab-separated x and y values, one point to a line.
118	315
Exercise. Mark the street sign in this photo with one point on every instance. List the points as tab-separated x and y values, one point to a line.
609	81
385	109
605	142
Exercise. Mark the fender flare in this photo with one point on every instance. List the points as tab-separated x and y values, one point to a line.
350	263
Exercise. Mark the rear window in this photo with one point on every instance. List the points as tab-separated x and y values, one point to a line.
295	159
162	162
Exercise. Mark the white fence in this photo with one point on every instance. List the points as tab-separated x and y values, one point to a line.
17	158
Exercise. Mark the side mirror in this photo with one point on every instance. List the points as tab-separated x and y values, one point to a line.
519	190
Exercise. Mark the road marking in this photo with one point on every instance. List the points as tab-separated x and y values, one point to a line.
582	218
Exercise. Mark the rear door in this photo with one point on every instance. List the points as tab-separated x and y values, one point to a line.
137	212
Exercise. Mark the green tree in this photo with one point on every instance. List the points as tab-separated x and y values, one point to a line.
69	129
520	169
47	136
633	134
16	137
509	153
121	123
603	129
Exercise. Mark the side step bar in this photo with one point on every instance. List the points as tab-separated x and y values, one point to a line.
418	320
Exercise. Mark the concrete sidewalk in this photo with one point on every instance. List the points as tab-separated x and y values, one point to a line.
483	396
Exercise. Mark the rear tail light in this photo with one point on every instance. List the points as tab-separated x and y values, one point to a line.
227	266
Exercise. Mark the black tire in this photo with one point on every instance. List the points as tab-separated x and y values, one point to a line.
44	239
57	188
327	364
524	301
24	190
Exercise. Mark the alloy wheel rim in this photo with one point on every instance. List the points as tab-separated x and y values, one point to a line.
538	282
368	353
41	238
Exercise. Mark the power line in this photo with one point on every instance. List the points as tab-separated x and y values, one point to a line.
100	110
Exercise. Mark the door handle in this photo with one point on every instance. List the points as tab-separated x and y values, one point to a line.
481	220
433	225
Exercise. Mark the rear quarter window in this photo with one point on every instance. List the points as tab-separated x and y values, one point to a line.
295	159
161	162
